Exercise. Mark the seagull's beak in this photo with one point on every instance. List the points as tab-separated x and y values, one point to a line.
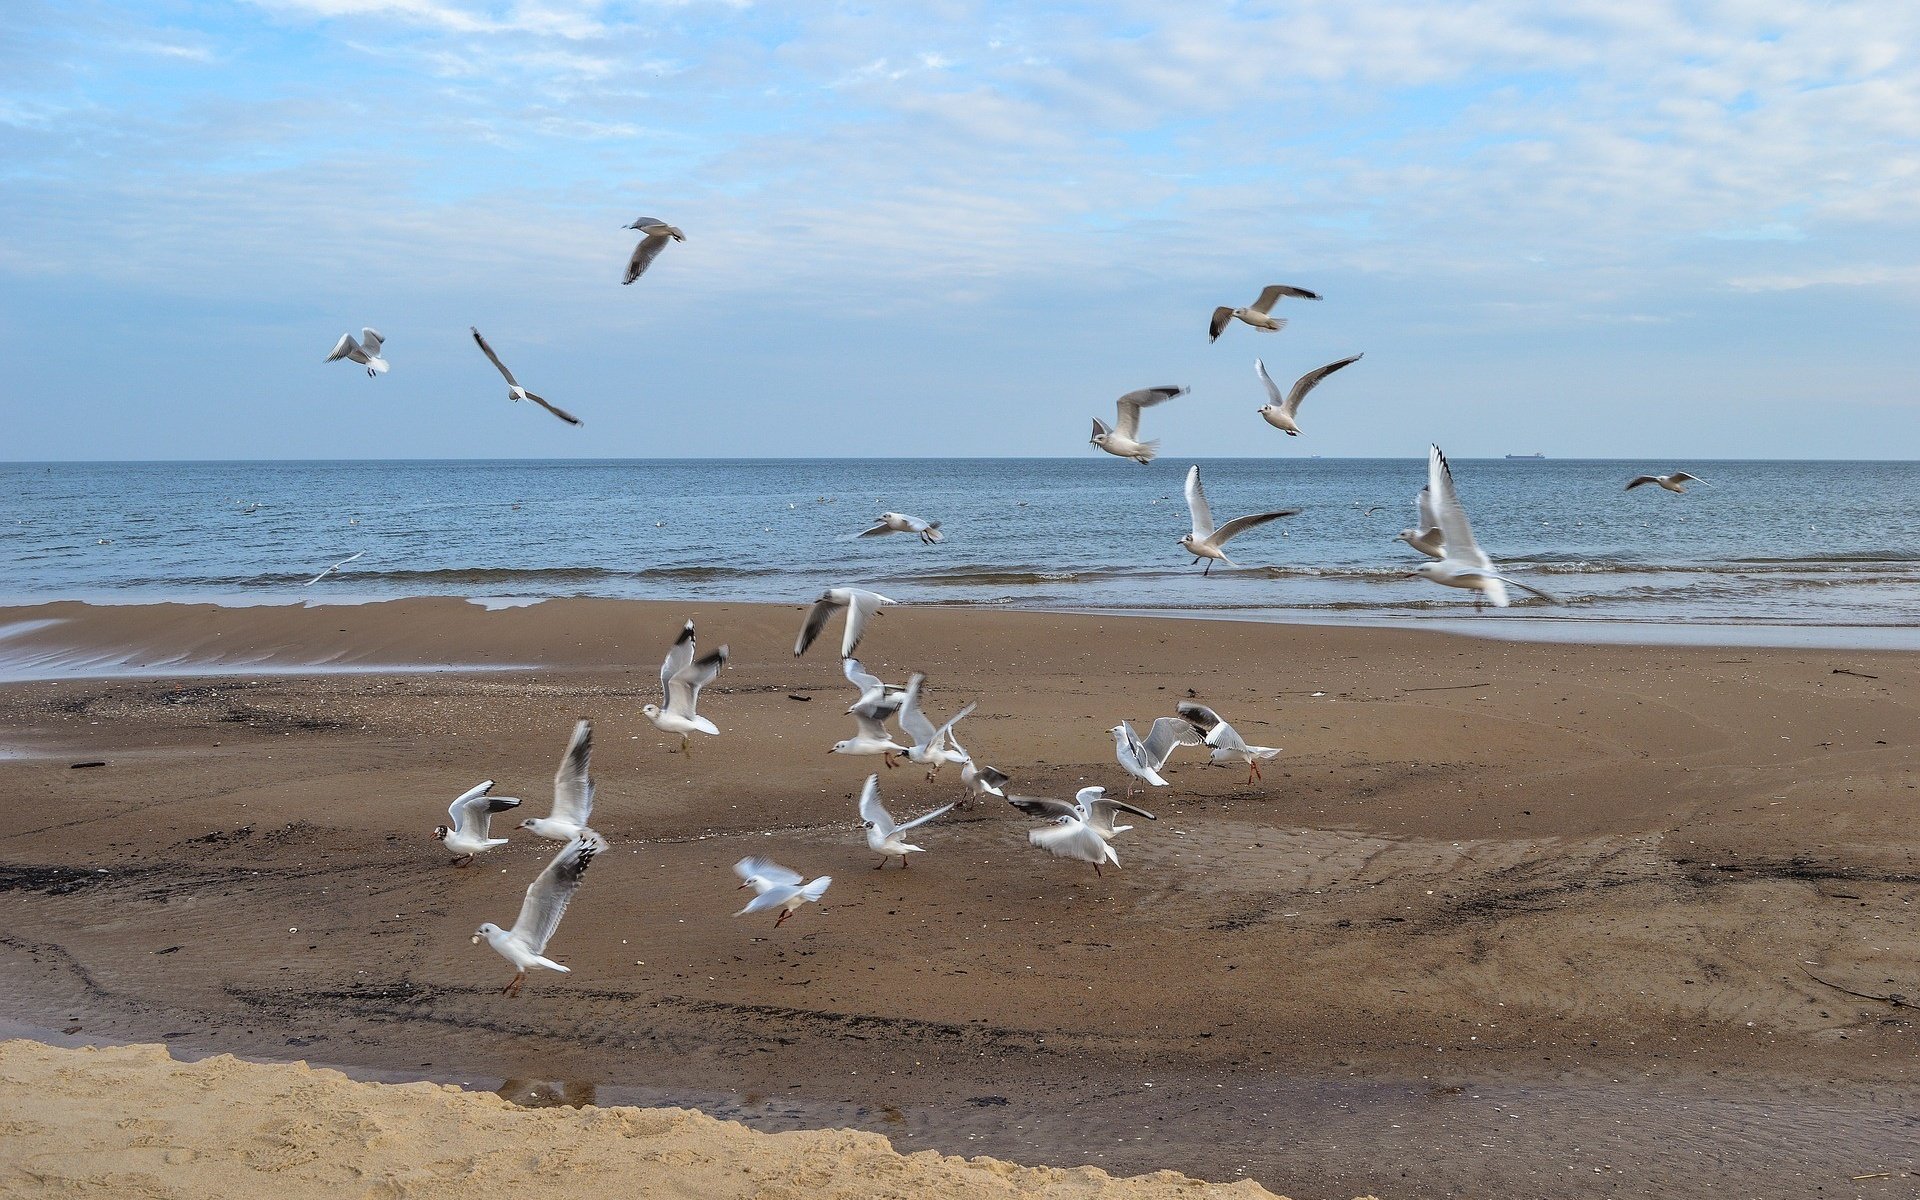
747	884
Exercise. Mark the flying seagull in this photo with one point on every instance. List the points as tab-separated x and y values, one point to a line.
1122	440
1143	759
330	570
1256	314
1209	543
1281	413
778	888
655	236
681	678
366	351
1227	744
860	605
873	693
1675	482
525	945
892	522
883	836
930	746
1426	537
1465	565
1090	804
514	390
572	789
978	779
472	817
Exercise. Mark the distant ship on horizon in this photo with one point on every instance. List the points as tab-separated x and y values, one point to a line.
1535	454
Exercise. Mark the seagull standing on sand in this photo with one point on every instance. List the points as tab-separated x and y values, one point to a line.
1466	565
1674	483
514	390
1122	440
892	522
860	605
1426	538
572	790
883	836
1280	412
778	888
330	570
366	351
525	945
472	817
1227	744
655	234
979	780
1258	313
681	678
1207	542
1143	759
931	748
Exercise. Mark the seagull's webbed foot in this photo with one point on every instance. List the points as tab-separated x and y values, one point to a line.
903	862
881	865
1209	569
467	861
1096	869
887	758
784	915
513	988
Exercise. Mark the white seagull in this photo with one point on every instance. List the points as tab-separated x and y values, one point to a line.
681	678
1280	412
525	945
1257	313
1674	483
1122	440
1090	804
893	522
514	390
978	779
366	351
330	570
1426	537
778	888
1466	565
860	605
931	747
1209	543
875	696
472	817
883	836
872	738
655	236
1143	759
572	790
1227	744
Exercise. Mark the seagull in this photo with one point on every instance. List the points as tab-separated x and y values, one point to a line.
572	790
1675	482
1143	760
1077	828
1207	542
876	697
892	522
1465	565
1090	804
883	836
778	888
681	678
860	605
978	780
1426	536
873	737
930	747
1122	440
1228	746
514	390
656	234
1281	413
1256	314
472	817
525	945
330	570
366	351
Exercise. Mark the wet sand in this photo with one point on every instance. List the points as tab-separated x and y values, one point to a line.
1505	917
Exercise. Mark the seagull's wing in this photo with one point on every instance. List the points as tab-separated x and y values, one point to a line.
472	811
678	656
1429	519
923	819
683	690
1165	734
330	570
953	720
342	348
644	253
881	529
1225	737
1683	477
1311	380
1221	316
492	357
991	780
872	811
913	720
766	869
555	409
1203	718
1527	587
872	721
1197	506
861	609
573	782
1127	407
774	896
1455	533
1240	525
371	339
1101	811
858	676
1100	427
549	895
1273	389
817	618
1640	479
1270	296
1040	806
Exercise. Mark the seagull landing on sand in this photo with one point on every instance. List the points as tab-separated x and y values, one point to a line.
778	888
1080	830
1426	538
681	678
879	700
1209	543
655	234
366	351
1466	565
1123	440
892	522
1280	412
572	790
1258	313
1227	744
860	605
979	780
514	390
525	945
330	570
472	817
931	748
883	836
1674	483
1143	759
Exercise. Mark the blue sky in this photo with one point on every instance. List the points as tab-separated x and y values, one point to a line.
1636	229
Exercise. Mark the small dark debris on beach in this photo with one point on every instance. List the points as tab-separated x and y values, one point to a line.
98	762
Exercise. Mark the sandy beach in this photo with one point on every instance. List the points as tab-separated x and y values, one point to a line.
1505	918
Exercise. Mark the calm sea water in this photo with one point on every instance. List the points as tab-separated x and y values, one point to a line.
1769	543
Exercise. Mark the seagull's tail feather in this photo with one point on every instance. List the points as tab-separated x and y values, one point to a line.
1149	451
817	888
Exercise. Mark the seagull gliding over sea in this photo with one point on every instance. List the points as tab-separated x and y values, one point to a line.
1122	441
514	390
1281	412
1207	542
1258	313
1674	483
1466	565
366	351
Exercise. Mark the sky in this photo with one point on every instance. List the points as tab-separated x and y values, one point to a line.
1591	228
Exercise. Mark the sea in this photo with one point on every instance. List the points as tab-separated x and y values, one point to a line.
1763	552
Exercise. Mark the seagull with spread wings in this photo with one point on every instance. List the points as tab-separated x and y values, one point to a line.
1225	741
1281	412
1259	313
1426	537
931	747
572	790
1080	830
1674	483
654	236
883	836
1209	543
330	570
1465	565
1143	758
681	678
978	779
1123	439
776	887
525	945
472	815
514	390
892	522
860	605
366	351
